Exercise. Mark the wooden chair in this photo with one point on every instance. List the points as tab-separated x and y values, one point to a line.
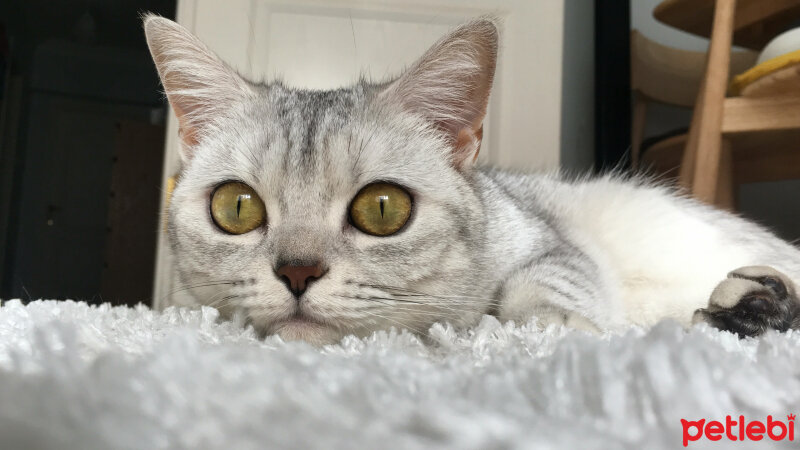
754	134
732	140
662	74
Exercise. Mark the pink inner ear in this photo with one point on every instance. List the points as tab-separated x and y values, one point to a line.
479	137
186	132
468	142
450	86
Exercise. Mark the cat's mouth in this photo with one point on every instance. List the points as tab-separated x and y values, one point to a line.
301	319
300	326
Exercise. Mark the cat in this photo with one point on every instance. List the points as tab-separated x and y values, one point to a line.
320	214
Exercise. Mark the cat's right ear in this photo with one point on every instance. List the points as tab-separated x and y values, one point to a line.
450	84
199	86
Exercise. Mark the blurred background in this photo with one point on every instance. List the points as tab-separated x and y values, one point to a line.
81	150
87	142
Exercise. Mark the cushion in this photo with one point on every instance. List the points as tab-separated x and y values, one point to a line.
776	76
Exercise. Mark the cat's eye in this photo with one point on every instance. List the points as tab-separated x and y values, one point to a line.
236	208
380	209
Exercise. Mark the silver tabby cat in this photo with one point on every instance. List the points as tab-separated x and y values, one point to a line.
319	214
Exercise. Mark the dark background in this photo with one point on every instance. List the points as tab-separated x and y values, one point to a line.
81	145
612	138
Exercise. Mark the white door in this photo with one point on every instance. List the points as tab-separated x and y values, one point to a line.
325	44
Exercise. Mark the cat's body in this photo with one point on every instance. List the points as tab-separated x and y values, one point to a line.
653	254
271	217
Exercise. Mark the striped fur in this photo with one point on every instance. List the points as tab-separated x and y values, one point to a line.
594	253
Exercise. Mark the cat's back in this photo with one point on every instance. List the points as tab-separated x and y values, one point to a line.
562	197
654	241
628	209
607	202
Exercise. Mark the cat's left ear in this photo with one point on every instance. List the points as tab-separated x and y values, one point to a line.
450	85
199	86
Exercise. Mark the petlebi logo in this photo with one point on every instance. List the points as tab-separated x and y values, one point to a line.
739	429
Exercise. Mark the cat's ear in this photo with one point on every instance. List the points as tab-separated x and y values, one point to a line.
450	84
199	86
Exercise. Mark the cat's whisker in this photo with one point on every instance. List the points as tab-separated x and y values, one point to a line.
412	293
442	308
441	315
372	297
382	301
397	322
442	299
445	301
209	283
446	305
457	301
221	302
453	314
204	284
403	301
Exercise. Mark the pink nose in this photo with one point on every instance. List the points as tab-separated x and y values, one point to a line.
297	277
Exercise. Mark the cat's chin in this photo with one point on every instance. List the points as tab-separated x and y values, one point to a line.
308	331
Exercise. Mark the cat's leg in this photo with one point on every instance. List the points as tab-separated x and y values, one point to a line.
751	301
563	286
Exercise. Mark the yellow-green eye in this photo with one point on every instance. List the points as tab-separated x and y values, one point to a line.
236	208
380	209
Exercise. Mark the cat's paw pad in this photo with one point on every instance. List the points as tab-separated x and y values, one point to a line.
751	301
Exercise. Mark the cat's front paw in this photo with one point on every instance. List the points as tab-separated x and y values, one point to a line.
751	301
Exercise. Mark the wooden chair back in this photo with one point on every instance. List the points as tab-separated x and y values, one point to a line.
673	76
668	75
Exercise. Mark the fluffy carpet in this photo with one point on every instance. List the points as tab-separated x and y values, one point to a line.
77	376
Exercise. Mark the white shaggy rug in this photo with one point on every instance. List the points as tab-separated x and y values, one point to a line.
75	376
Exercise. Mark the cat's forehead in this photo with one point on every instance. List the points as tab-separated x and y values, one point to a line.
301	146
282	128
303	125
311	109
304	132
288	142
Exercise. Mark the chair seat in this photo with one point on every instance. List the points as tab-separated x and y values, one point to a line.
777	76
757	157
661	155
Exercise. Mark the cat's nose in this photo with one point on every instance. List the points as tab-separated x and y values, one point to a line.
297	276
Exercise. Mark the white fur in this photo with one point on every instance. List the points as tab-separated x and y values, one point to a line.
661	254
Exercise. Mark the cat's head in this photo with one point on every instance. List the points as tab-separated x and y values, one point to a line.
318	214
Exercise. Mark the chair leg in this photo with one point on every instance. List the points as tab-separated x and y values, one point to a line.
701	159
726	188
686	173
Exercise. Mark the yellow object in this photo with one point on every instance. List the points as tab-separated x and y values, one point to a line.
170	188
167	198
766	68
381	209
236	208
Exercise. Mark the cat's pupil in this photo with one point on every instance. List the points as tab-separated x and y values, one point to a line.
238	206
382	198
